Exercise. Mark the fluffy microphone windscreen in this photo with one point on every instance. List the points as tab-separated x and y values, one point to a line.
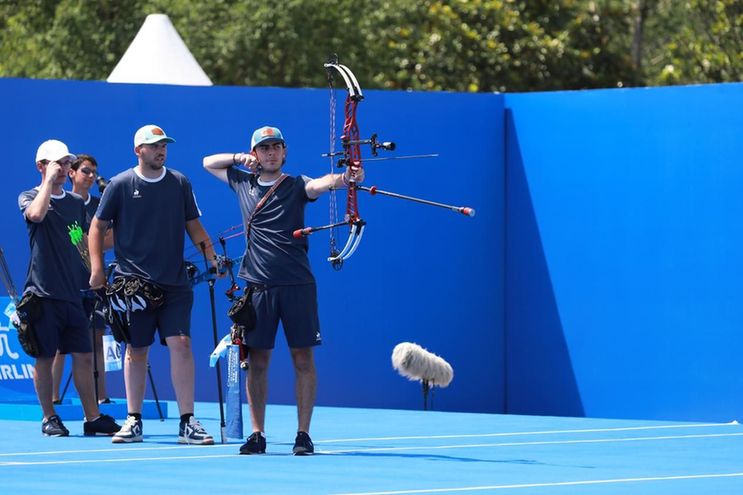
416	363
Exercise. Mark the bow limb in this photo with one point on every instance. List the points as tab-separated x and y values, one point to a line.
352	84
354	238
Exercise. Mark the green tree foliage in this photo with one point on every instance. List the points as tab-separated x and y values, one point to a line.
456	45
704	45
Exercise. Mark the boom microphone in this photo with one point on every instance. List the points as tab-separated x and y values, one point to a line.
417	364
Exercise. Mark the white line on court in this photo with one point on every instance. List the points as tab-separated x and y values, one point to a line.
374	449
116	449
557	483
543	432
130	459
381	439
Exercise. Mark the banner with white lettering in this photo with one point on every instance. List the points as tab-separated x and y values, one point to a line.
111	353
16	368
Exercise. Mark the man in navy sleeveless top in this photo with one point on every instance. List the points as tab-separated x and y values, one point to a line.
55	275
277	267
152	207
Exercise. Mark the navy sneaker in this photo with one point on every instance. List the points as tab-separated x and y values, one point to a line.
53	427
103	425
256	444
192	432
130	432
303	444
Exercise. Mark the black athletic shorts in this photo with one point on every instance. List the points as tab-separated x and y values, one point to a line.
62	326
295	306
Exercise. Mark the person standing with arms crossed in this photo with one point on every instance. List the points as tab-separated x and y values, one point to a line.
151	207
277	268
55	275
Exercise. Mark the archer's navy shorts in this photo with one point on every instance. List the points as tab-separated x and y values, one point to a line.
171	319
62	326
295	306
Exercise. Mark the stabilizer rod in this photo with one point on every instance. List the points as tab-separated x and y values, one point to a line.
464	210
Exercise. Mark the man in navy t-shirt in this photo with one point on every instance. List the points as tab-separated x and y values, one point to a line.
54	219
152	207
276	266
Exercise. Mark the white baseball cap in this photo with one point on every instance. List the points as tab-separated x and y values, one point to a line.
150	134
53	150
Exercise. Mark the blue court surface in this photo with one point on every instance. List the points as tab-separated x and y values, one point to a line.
372	451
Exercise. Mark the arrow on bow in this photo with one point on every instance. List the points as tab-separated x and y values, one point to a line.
351	159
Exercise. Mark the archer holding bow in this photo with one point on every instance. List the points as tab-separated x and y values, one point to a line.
277	270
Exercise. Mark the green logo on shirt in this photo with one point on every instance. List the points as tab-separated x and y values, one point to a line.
76	233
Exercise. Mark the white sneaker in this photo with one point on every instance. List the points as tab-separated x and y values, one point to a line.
193	432
130	432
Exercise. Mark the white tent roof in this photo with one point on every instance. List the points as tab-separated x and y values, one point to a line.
158	55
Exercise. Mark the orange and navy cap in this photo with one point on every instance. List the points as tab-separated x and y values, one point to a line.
264	134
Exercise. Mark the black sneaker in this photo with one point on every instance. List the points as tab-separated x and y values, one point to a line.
256	444
193	432
303	444
107	400
130	432
103	425
53	427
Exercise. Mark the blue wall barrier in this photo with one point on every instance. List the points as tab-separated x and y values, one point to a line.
601	276
421	274
623	242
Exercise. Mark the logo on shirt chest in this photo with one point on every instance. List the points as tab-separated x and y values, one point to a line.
136	194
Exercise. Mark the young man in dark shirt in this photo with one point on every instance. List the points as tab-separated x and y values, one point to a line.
276	266
152	207
55	276
83	174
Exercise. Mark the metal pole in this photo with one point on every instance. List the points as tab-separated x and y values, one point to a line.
217	368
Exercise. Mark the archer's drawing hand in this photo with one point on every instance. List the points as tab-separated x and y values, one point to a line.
247	160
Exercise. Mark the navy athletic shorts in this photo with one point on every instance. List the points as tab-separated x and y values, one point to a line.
62	326
171	319
295	306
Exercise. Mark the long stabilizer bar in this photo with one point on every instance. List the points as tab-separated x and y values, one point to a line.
464	210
